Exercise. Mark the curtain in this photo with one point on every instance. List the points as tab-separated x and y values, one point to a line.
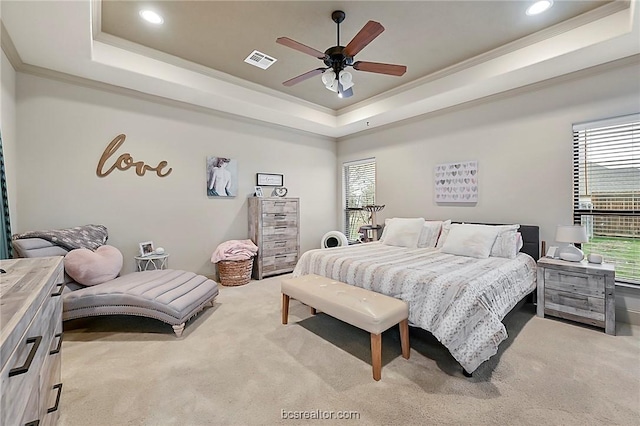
5	226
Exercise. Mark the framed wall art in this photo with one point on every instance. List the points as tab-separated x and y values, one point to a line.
269	179
456	182
222	177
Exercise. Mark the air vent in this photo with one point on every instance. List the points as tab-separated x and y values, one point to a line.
260	60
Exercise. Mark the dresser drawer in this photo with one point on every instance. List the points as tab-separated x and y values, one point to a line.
278	233
279	263
280	206
51	393
280	219
21	375
277	247
574	282
572	303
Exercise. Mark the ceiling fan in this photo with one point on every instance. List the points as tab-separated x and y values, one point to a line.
338	57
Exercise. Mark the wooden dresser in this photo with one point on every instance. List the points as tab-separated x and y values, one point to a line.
30	339
578	291
274	228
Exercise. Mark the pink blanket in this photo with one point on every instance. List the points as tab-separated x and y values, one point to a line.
234	250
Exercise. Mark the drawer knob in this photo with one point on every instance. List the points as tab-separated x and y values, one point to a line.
32	353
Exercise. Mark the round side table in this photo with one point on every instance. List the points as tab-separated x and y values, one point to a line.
151	262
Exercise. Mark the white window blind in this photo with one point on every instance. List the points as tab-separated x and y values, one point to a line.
606	191
359	181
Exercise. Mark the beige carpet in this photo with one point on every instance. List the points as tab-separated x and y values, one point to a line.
237	365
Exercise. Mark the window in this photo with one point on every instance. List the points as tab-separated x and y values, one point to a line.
359	190
606	193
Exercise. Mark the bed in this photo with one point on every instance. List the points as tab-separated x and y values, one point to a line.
460	300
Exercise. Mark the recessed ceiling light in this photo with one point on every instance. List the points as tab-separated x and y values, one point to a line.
539	7
151	16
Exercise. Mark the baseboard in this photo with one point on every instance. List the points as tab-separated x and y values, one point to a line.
629	317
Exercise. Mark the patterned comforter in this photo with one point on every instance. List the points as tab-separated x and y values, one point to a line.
460	300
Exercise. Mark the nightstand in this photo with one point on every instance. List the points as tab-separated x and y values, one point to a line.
370	233
577	291
152	262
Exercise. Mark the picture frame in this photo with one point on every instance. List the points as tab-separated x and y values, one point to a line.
258	191
146	248
222	177
269	179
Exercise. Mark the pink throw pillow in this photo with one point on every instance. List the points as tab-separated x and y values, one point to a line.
93	267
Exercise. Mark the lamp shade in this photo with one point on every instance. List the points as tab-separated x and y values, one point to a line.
346	80
571	234
329	80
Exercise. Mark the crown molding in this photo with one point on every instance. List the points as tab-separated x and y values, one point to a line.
566	78
9	48
148	52
156	99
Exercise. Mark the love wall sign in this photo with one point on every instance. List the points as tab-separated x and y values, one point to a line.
125	161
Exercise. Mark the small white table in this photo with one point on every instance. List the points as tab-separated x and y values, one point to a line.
152	262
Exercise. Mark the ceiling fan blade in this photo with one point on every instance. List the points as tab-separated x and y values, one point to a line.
286	41
367	34
303	77
379	68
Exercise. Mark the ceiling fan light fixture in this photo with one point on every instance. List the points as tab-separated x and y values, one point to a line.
329	80
345	93
328	76
346	80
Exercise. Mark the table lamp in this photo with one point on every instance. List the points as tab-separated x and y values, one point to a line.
571	234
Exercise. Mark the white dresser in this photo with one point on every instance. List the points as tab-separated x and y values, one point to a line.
274	228
30	340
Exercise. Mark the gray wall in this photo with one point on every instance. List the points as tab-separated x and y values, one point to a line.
64	129
523	145
9	134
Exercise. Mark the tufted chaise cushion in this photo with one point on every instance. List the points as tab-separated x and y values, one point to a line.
172	296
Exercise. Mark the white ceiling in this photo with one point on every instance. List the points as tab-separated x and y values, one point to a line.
455	51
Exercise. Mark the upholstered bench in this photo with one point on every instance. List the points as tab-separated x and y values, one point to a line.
171	296
359	307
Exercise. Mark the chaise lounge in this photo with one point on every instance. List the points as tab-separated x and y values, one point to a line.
171	296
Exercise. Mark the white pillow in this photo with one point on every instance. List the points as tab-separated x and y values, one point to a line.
470	240
402	232
506	244
444	232
384	230
429	234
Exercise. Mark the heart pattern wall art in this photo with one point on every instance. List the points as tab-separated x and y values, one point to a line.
456	182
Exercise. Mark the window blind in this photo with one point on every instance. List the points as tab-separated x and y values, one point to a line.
606	191
359	182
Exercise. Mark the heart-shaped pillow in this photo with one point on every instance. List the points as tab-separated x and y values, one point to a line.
93	267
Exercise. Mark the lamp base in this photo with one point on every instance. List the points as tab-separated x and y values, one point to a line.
571	253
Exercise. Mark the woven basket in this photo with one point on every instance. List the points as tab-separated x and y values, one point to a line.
235	272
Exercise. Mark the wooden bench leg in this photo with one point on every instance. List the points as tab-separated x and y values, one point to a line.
376	355
404	338
313	310
285	308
